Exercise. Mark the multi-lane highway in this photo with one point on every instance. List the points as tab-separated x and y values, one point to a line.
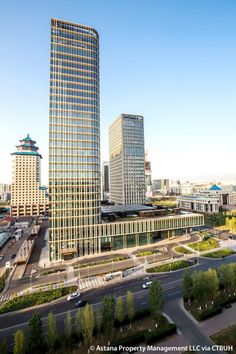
172	284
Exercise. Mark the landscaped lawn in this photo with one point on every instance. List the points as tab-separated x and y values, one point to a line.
169	266
221	253
146	253
183	250
209	244
226	337
25	301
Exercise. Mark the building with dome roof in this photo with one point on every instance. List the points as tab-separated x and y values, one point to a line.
28	197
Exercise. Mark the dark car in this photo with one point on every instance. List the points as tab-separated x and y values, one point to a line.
81	303
13	256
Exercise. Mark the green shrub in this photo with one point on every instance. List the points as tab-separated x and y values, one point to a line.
142	254
183	250
220	254
146	336
29	300
138	315
132	339
209	313
160	333
204	245
169	266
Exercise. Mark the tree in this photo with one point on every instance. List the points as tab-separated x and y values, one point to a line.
227	277
108	316
130	306
200	287
212	283
187	284
3	347
156	300
35	335
68	326
19	342
120	311
51	331
88	324
79	322
205	286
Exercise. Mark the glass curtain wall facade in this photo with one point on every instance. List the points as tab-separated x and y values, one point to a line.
126	152
74	140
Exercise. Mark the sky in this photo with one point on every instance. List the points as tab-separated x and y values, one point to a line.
172	61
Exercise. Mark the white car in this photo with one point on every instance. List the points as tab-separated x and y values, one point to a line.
1	256
73	296
147	284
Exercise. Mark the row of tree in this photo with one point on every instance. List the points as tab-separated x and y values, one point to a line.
88	322
203	287
231	223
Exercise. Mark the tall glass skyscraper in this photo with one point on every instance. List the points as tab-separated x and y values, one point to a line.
126	153
74	140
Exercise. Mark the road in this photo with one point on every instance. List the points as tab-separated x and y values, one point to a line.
172	285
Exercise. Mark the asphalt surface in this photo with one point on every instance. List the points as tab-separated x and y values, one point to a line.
172	285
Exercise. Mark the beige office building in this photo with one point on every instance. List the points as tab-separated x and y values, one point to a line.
28	197
127	159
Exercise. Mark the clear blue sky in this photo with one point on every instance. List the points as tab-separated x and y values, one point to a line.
173	61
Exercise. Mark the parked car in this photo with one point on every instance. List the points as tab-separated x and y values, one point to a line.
81	303
73	296
147	285
1	256
13	256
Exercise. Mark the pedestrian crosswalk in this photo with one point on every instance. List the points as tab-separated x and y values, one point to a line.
6	297
86	283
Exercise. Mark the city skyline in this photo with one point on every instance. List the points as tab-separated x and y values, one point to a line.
184	94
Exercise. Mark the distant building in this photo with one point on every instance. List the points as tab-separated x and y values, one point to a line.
199	204
5	192
5	188
105	180
161	186
186	188
28	197
226	196
148	177
126	150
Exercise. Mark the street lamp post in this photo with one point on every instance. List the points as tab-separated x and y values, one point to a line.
30	282
134	261
88	270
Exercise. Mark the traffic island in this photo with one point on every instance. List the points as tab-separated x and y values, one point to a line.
170	267
25	301
220	254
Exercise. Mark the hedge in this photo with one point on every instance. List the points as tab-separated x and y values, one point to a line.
169	266
138	315
160	333
209	313
29	300
146	336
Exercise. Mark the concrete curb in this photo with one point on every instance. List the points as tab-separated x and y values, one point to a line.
7	282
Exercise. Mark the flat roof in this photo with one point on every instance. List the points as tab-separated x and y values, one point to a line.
108	209
197	197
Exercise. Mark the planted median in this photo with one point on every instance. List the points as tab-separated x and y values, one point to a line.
169	267
220	254
24	301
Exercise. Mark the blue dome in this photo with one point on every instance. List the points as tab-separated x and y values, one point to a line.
215	188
